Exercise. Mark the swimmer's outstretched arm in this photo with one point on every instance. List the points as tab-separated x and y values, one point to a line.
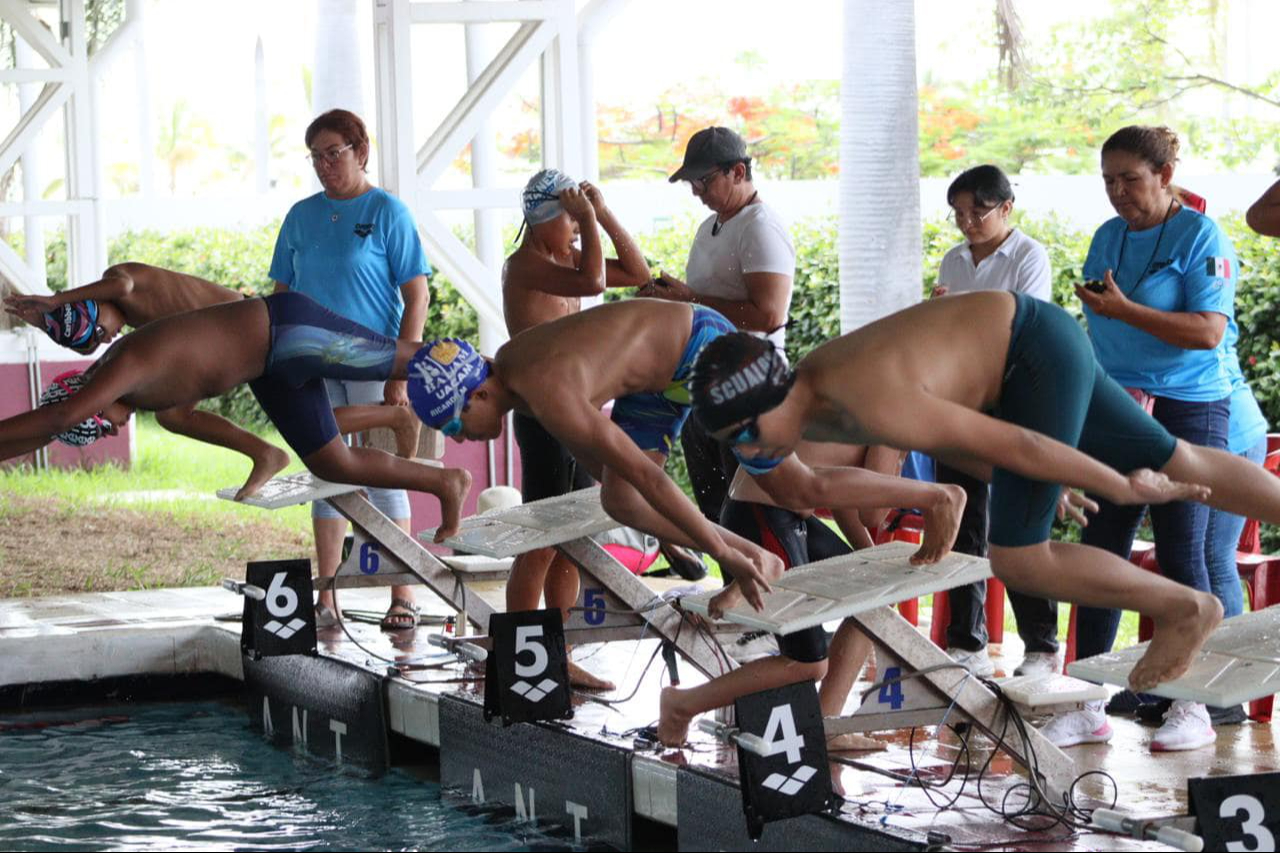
110	288
40	425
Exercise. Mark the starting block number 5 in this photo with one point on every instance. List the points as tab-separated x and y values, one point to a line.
525	636
1251	826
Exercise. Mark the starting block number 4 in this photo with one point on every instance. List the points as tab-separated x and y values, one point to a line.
891	691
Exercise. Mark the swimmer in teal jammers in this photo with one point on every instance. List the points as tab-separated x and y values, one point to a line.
1006	388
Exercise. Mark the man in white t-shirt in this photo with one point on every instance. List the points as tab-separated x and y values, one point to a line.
741	263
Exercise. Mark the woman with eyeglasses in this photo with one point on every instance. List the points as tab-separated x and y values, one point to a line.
354	248
1159	294
994	256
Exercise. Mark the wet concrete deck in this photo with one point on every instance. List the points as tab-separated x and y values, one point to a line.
171	632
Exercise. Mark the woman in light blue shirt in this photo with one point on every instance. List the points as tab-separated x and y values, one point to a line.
354	248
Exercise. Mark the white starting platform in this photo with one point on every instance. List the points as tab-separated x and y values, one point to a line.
920	684
1239	662
614	604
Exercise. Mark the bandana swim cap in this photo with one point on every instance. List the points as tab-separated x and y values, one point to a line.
72	325
442	375
736	377
63	388
541	198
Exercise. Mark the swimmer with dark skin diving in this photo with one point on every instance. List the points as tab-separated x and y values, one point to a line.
284	346
1007	389
639	353
135	294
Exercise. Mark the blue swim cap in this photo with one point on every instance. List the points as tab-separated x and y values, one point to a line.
72	325
442	375
541	197
63	387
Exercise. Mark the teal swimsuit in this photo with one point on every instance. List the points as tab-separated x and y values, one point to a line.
1055	386
653	419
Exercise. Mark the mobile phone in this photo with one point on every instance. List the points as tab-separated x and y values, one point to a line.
1096	286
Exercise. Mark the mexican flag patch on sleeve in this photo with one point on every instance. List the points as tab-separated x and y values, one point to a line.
1219	267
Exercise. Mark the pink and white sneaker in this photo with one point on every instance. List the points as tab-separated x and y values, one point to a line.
1186	726
1073	728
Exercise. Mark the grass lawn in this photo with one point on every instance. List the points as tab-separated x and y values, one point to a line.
157	524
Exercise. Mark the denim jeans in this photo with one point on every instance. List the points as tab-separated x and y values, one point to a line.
1220	539
1179	527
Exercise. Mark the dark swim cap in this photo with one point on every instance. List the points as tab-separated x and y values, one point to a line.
63	387
736	377
442	375
72	325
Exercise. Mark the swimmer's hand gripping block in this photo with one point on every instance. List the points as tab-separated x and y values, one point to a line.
848	585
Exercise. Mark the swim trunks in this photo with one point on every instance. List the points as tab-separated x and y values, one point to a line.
309	344
1055	386
653	420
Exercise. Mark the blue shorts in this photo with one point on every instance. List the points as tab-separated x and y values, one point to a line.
653	419
1055	386
309	344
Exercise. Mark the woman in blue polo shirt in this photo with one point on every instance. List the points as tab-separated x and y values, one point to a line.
1159	298
354	248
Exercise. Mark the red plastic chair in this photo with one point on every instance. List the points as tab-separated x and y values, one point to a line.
1250	539
995	614
902	526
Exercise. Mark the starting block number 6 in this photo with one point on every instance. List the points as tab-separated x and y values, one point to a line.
525	635
281	599
1252	824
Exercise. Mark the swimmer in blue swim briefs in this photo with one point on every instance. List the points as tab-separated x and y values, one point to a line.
284	346
1005	388
638	353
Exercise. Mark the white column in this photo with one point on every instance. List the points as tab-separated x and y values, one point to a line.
261	135
484	175
87	247
142	87
33	176
879	234
338	68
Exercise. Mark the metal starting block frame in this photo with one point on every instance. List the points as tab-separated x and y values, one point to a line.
615	604
931	688
382	554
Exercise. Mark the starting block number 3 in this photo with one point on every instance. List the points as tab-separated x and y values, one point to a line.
1251	827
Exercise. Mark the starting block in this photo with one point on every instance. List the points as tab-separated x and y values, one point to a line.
614	603
1239	662
382	554
922	684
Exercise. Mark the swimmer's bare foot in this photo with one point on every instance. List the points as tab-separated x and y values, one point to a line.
265	466
1176	641
941	524
673	719
457	485
850	741
583	680
726	599
406	427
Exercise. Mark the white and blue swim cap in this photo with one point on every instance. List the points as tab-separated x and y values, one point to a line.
541	197
442	375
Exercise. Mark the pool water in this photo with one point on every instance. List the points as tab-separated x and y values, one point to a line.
195	777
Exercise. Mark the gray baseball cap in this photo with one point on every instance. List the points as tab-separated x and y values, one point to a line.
708	148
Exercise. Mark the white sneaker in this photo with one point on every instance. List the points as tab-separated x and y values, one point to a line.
979	662
1038	663
1186	726
1088	725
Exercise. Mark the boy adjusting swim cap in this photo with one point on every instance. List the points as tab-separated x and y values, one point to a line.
442	375
736	377
63	387
72	325
541	197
